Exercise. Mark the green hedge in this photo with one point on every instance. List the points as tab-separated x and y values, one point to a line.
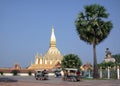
1	73
15	72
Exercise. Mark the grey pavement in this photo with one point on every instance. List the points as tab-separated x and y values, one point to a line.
31	81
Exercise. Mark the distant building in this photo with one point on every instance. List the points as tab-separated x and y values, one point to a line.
108	57
50	59
17	66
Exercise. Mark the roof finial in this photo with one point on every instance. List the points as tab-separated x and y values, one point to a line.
52	39
52	28
37	55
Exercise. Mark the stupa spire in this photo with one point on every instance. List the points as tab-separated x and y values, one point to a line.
52	39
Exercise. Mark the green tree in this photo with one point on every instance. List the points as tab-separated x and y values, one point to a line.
116	57
92	27
107	64
71	61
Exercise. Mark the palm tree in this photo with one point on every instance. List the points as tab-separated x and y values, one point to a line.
92	27
71	61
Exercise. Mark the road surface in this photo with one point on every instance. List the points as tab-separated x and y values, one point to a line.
31	81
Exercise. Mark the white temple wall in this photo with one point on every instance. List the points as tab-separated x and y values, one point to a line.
41	61
45	61
36	61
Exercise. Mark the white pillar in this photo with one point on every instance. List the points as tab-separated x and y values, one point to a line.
100	72
89	73
108	72
118	73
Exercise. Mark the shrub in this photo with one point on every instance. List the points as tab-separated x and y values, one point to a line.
15	72
1	73
30	73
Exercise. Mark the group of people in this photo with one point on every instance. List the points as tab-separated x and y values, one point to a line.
70	74
58	74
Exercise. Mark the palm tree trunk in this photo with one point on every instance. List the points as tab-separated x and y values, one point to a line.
95	71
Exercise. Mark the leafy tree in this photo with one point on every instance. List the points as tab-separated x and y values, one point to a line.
71	61
92	27
107	64
117	58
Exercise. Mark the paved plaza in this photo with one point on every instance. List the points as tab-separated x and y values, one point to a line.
30	81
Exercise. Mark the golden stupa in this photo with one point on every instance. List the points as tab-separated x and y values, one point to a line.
50	59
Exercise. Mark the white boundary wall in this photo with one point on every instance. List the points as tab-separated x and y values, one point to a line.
24	74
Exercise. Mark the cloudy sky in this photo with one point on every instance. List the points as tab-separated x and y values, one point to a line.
25	29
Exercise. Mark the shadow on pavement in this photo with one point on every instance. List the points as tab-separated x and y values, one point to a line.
7	80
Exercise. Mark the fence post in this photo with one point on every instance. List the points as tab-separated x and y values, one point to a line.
118	73
108	72
100	72
89	73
